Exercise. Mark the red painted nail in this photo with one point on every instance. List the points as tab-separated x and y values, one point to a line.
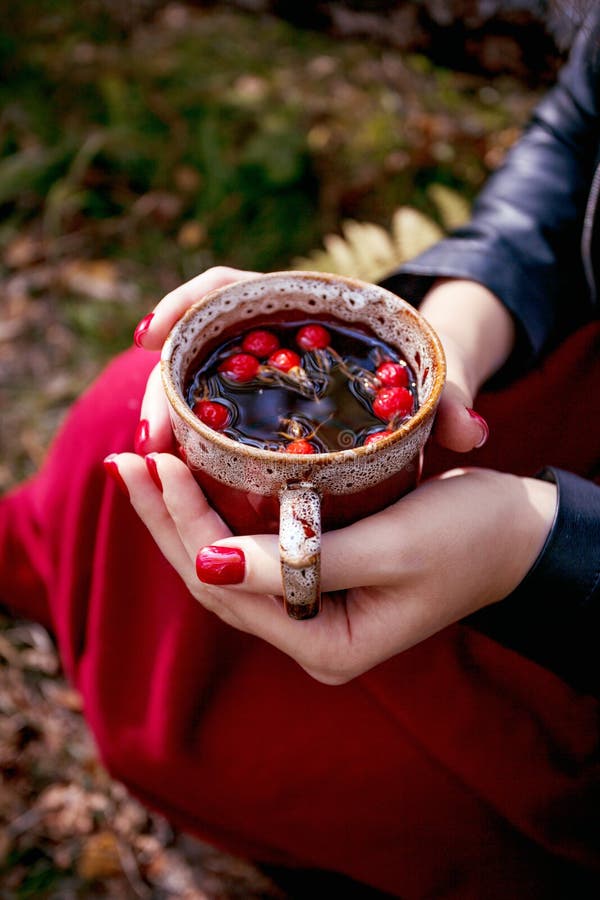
141	437
220	565
112	469
485	428
153	470
141	329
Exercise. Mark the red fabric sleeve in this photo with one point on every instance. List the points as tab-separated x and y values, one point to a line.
59	506
23	557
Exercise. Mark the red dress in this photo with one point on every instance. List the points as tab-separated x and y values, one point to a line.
458	769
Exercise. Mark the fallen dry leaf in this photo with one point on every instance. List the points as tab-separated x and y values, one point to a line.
24	250
100	856
95	278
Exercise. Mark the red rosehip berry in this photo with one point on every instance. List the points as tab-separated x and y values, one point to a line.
284	360
376	436
392	374
390	402
239	367
300	446
260	342
313	337
213	414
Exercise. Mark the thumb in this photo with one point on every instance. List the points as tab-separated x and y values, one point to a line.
457	425
252	563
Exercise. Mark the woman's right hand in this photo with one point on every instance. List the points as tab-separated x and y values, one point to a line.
457	543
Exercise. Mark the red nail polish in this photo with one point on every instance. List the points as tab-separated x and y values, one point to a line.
485	429
112	469
141	437
220	565
153	470
141	329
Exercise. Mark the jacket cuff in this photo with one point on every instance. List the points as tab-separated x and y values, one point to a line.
569	562
553	616
496	267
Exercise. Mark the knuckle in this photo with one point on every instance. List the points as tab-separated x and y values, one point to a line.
222	272
330	675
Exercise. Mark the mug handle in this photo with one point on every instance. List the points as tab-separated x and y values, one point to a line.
300	549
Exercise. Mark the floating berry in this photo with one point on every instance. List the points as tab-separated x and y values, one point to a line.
284	360
390	402
300	446
313	337
376	436
260	342
392	374
240	367
215	415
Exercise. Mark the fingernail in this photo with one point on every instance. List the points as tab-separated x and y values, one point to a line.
141	436
485	429
220	565
141	329
112	469
153	470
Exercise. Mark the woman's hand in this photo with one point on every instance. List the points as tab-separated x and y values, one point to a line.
154	431
454	545
477	333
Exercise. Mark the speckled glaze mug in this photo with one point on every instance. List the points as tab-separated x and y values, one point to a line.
262	491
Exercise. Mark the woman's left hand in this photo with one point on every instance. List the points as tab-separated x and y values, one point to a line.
452	546
154	430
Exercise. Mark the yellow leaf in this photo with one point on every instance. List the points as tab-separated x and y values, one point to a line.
368	251
372	248
340	253
413	232
454	210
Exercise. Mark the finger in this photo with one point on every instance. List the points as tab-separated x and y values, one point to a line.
349	558
457	426
248	563
153	329
256	614
197	523
148	503
154	433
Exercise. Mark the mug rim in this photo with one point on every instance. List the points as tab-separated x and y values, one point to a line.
179	405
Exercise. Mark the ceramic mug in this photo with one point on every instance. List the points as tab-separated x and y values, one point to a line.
264	491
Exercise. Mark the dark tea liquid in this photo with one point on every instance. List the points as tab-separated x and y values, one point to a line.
303	387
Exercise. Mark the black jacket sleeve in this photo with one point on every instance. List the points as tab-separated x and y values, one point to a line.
526	242
524	238
553	617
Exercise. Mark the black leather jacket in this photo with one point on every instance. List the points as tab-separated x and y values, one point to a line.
534	240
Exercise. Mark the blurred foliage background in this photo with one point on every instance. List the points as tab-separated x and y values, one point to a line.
141	142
